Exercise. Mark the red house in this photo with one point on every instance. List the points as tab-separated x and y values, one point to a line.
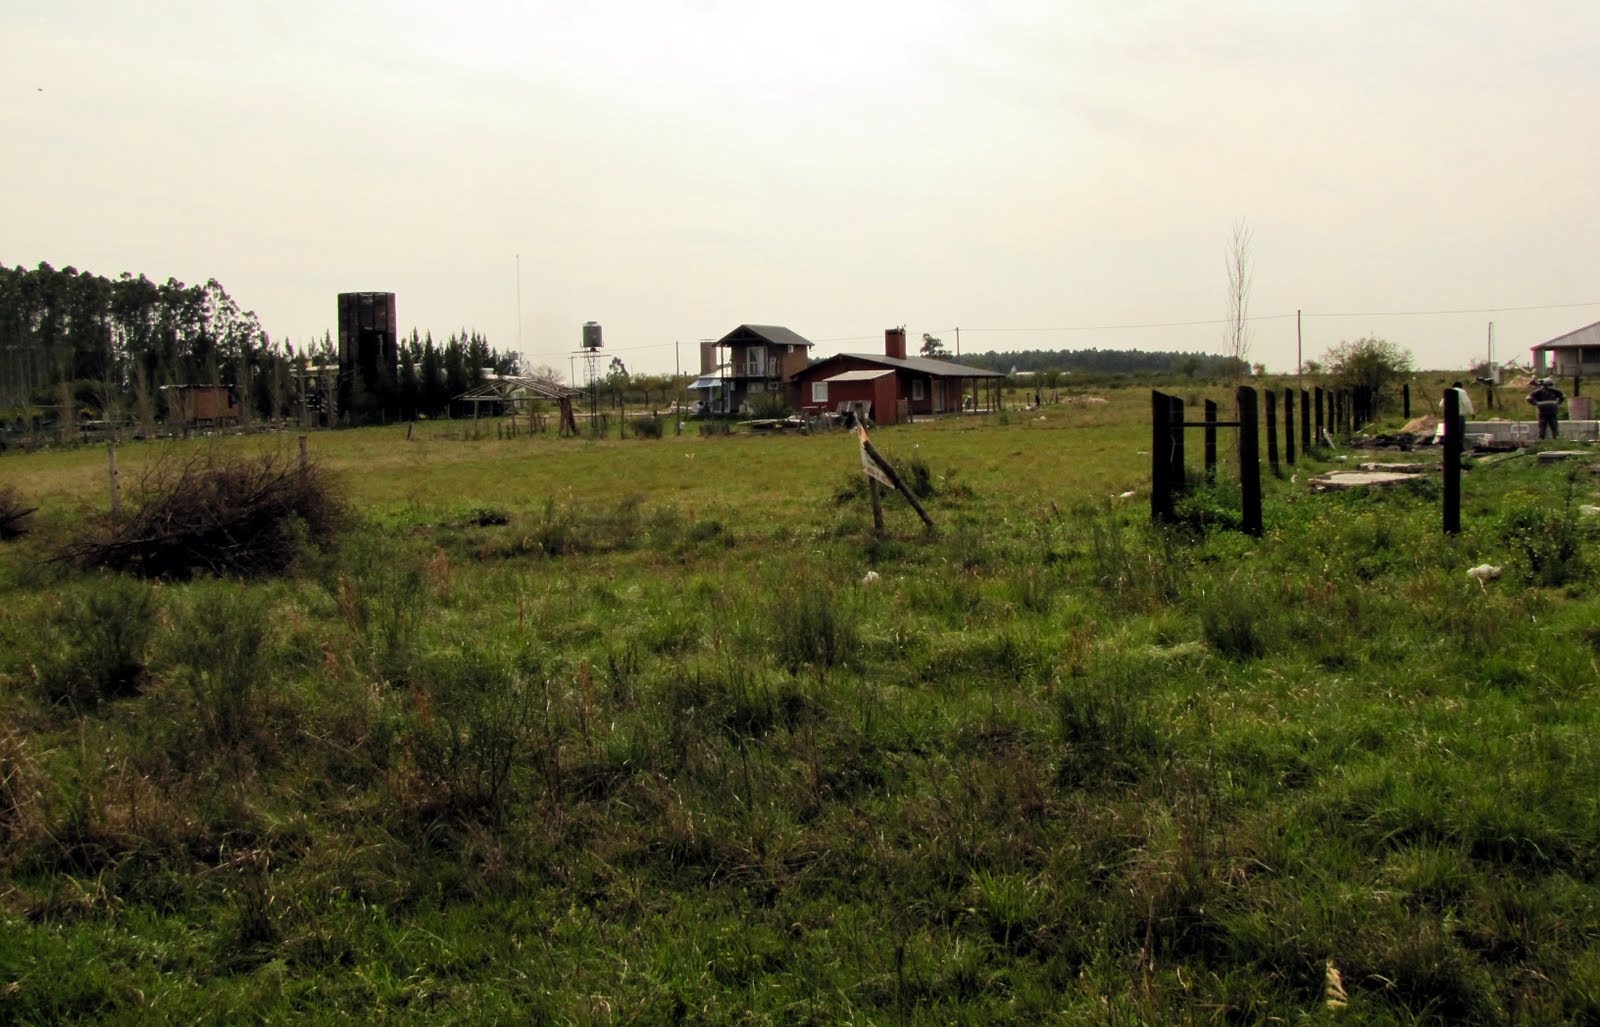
898	387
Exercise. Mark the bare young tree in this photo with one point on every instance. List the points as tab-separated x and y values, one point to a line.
1236	331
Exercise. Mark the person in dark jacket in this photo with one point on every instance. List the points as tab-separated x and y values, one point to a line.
1547	399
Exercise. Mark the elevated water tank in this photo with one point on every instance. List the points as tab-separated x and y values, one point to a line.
591	335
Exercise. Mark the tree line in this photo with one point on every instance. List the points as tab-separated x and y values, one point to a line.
1109	362
78	345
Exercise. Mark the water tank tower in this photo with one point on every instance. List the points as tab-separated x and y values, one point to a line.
591	335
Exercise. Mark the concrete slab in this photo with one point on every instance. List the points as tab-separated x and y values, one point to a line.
1339	480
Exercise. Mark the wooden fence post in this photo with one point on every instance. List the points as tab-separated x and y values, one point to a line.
1160	496
1249	460
116	485
1452	461
1319	427
1272	431
1179	475
1305	421
1211	442
305	456
1288	425
1405	400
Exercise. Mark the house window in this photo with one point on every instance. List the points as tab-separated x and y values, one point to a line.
758	387
755	362
916	389
819	392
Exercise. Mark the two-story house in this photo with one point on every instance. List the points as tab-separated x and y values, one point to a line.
760	361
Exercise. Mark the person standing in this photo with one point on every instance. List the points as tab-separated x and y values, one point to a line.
1547	399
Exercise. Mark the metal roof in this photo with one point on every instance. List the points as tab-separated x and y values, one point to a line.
1588	335
774	334
921	365
858	376
506	387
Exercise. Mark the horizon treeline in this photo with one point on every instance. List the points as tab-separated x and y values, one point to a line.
1109	362
74	340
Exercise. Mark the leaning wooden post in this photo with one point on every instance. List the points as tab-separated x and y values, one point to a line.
1272	431
1405	400
1319	427
1452	462
1249	460
1211	442
116	486
1288	426
1160	457
305	456
892	476
877	506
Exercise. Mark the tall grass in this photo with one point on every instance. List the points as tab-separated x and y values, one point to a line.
566	732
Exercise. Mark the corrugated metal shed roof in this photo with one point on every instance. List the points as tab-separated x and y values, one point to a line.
925	365
1588	335
504	387
858	376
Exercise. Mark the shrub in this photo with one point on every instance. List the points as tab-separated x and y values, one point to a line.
474	726
96	642
649	427
1549	540
210	515
12	515
221	640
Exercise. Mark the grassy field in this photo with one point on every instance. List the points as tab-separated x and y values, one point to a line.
626	732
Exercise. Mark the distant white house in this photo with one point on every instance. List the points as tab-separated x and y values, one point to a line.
1575	353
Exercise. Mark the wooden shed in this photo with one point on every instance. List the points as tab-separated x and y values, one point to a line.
196	404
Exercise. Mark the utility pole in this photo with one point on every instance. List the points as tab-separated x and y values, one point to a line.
958	340
519	306
1299	349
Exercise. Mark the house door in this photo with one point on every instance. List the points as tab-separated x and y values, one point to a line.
938	396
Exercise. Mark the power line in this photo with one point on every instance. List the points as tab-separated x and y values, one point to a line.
1473	310
1283	317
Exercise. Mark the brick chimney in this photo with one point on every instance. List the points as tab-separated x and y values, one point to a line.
894	343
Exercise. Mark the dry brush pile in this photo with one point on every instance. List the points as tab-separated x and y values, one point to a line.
228	517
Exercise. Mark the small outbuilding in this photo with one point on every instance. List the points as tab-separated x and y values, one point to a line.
199	404
1575	353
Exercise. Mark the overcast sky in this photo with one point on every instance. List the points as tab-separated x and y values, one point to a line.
1042	174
